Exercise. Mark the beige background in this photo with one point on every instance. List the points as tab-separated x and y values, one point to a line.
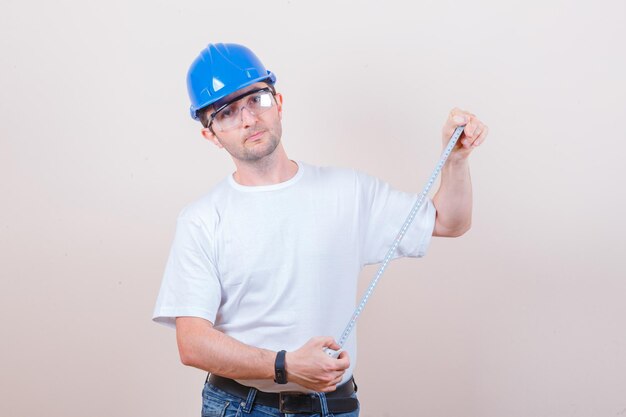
523	316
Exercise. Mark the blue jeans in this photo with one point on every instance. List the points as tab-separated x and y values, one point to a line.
217	403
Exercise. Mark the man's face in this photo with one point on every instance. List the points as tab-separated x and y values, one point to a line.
257	136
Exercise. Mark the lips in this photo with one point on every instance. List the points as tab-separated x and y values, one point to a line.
255	136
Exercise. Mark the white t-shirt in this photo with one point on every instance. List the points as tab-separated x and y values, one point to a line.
273	266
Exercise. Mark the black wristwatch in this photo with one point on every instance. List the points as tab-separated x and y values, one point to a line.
279	368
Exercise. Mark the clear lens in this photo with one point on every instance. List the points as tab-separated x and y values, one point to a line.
257	102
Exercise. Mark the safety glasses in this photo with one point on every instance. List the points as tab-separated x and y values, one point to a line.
228	115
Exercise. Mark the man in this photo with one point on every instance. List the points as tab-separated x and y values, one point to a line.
263	269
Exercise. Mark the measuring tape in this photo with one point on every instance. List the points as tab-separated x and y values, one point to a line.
344	336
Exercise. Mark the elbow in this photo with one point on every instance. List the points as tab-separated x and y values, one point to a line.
441	231
459	234
461	231
191	355
192	339
453	233
189	352
186	356
190	358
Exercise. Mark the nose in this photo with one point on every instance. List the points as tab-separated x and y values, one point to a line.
247	117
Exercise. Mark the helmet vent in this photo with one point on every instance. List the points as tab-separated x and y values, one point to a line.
217	84
252	73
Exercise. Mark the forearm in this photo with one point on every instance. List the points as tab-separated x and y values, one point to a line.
453	200
206	348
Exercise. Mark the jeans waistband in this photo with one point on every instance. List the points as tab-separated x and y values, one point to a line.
338	401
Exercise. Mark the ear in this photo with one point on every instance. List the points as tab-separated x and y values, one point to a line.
279	104
210	136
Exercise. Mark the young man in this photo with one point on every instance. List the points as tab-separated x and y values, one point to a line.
263	269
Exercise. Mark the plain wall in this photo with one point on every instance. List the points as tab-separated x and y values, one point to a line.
522	316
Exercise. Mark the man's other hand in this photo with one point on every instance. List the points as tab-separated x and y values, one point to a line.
313	368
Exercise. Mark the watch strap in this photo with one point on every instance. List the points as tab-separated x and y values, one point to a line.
280	374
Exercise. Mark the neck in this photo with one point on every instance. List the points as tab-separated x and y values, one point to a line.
271	169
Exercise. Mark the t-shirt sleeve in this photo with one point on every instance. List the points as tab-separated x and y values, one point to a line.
383	212
190	285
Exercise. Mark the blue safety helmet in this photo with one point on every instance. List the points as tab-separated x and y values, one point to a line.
220	70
